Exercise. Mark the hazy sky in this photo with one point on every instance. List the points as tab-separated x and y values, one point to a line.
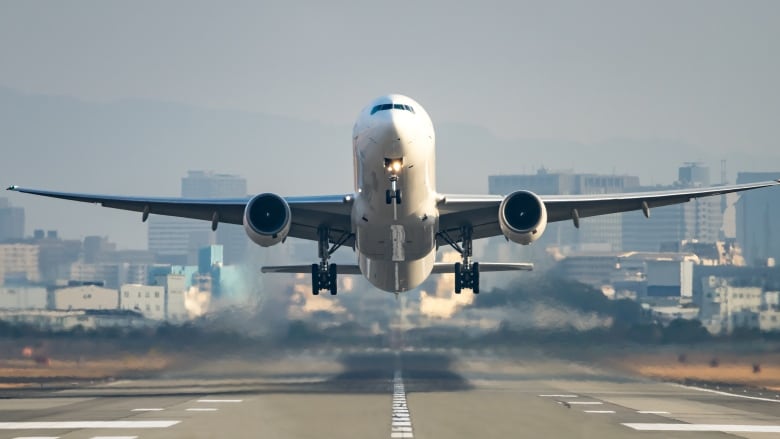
699	73
703	72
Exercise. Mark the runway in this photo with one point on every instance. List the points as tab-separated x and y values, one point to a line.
383	394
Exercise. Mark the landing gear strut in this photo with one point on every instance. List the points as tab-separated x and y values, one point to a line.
324	276
393	167
466	272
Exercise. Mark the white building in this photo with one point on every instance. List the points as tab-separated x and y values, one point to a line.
149	300
769	320
724	307
86	297
22	298
175	297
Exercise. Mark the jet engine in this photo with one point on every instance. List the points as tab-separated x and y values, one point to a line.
267	219
522	217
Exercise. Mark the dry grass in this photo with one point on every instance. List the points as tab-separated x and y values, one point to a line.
14	370
731	368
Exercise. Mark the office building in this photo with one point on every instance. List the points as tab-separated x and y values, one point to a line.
11	221
758	220
176	240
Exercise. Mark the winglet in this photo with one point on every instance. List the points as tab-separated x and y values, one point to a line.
13	187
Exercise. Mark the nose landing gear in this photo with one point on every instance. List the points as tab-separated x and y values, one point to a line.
393	166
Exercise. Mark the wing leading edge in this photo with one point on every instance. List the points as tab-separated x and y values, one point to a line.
308	213
481	212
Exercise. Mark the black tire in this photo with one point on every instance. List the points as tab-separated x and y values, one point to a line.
475	277
315	279
458	278
388	197
398	196
333	279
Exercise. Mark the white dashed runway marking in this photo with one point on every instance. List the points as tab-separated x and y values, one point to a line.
204	409
652	412
600	411
401	426
586	403
75	425
559	396
155	409
723	428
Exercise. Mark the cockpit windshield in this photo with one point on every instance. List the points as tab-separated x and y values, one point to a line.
383	107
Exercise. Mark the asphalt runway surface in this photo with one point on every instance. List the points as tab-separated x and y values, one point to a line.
384	394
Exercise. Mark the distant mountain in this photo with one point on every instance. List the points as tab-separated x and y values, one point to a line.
144	147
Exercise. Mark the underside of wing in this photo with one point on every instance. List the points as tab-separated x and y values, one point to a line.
308	214
484	267
306	269
481	212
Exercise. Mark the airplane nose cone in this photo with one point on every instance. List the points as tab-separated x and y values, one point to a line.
396	129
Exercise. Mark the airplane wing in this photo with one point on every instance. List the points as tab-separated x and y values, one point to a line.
308	213
438	268
481	211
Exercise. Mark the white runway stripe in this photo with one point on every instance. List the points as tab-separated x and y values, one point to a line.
586	403
204	409
155	409
600	411
36	437
723	428
652	412
401	423
559	396
75	425
220	400
718	392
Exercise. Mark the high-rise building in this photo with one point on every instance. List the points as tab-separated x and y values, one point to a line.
700	219
602	233
11	221
177	241
758	228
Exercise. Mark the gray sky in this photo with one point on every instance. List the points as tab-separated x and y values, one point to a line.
698	73
704	72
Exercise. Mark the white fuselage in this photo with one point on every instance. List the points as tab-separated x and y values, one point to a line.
396	241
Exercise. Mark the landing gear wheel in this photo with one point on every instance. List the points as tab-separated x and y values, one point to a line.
333	279
388	196
458	278
475	277
398	196
315	279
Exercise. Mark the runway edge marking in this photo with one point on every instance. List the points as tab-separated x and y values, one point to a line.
719	392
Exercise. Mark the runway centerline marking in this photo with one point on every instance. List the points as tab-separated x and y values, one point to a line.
586	403
600	411
559	396
150	409
77	425
203	409
401	422
723	428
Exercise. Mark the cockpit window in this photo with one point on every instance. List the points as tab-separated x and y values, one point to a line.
383	107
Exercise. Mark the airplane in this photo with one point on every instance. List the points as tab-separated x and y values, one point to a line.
395	220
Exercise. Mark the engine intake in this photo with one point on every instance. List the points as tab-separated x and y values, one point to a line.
267	219
522	217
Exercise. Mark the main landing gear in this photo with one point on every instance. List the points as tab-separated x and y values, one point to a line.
466	271
324	276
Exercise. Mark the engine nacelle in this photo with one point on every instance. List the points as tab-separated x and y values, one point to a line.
267	219
522	217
